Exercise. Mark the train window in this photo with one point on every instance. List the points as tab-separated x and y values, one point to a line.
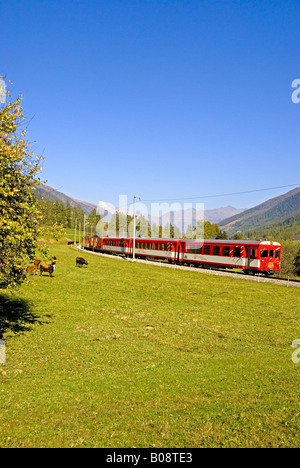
216	250
226	251
206	250
165	247
271	253
253	253
199	250
277	253
264	253
236	251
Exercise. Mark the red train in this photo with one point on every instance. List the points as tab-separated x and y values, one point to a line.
249	256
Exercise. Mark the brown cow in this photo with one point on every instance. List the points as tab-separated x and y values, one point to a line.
47	268
33	268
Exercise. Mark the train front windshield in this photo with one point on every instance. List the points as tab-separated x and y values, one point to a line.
270	253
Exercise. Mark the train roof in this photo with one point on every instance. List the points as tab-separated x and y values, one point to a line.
233	241
210	241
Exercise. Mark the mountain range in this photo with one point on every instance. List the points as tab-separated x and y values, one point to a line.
214	216
51	194
275	217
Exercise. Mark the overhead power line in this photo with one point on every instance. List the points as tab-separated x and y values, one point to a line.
221	194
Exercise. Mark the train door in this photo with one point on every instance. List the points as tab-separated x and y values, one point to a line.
248	258
180	251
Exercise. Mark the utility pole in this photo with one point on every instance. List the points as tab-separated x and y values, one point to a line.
134	227
83	242
75	233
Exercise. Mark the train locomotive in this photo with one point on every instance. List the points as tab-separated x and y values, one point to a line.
250	256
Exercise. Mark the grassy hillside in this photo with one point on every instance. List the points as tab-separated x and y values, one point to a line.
121	355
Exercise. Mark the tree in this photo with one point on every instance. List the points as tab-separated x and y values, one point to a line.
19	218
210	231
93	219
297	264
238	236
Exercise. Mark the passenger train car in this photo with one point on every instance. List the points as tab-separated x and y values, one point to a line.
247	255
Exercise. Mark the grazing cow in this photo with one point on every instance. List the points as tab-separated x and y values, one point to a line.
81	261
33	268
47	268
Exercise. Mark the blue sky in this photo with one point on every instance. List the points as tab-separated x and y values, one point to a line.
162	99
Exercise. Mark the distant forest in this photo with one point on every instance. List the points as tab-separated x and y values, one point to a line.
288	229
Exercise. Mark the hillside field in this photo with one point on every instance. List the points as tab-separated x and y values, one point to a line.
122	354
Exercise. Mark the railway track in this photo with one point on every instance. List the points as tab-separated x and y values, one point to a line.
208	271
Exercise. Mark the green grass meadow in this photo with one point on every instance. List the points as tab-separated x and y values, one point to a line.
123	354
